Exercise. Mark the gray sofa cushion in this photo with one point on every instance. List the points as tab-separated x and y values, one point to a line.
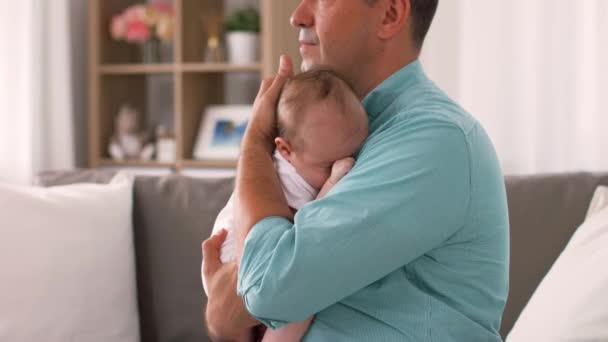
172	216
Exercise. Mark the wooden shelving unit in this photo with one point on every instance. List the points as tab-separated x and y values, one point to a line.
209	163
132	163
130	69
220	67
117	77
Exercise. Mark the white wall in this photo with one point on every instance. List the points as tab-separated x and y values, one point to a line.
533	72
441	54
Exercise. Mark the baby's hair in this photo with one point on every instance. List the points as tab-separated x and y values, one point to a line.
309	87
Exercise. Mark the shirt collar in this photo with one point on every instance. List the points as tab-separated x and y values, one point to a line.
387	92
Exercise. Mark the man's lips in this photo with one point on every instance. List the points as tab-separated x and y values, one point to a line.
307	47
306	43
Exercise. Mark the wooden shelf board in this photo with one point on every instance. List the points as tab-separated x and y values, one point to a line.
133	163
209	163
126	69
219	67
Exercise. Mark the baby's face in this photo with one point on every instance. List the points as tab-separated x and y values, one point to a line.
326	139
314	168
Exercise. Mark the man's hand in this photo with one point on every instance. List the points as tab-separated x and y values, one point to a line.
263	122
258	190
227	317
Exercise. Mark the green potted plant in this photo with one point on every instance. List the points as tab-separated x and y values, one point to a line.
242	36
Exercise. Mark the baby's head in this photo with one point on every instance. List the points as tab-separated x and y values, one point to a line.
320	121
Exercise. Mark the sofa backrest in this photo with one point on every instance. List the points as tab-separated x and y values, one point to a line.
174	214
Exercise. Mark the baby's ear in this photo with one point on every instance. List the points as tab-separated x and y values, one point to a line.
283	147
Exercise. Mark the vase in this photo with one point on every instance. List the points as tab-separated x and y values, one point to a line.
154	51
242	47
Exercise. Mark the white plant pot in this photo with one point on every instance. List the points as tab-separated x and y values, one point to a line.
242	47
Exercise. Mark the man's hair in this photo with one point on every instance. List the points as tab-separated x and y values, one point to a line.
423	12
304	89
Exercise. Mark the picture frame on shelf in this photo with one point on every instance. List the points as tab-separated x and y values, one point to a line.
221	131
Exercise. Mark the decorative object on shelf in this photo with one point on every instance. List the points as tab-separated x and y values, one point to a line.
221	131
214	53
128	141
242	36
151	26
165	145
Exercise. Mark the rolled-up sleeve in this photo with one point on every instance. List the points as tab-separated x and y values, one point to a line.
263	239
408	193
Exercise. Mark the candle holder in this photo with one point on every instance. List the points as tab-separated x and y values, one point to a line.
214	52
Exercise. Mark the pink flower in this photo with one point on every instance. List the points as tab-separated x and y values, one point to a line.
163	7
135	13
118	28
137	31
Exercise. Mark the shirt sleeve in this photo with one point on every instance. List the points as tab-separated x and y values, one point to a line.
407	194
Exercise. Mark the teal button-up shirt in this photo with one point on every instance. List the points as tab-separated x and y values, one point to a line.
412	245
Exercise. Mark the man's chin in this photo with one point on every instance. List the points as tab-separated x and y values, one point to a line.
309	65
306	66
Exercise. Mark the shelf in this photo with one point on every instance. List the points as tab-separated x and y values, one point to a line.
209	163
220	67
136	69
227	164
176	93
127	69
133	163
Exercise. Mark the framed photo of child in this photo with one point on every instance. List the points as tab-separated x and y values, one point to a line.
221	131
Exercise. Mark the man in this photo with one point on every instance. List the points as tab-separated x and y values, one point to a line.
412	245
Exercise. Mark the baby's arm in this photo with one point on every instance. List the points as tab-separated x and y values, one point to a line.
338	171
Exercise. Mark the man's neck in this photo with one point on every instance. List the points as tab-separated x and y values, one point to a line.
379	72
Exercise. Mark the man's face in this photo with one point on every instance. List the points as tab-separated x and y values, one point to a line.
335	33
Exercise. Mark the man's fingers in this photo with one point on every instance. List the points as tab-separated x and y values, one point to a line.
285	72
211	252
264	86
275	84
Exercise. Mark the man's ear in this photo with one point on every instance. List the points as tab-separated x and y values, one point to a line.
284	148
396	16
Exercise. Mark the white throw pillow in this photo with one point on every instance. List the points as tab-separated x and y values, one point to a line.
571	303
599	201
67	266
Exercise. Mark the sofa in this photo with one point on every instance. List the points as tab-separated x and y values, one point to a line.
172	215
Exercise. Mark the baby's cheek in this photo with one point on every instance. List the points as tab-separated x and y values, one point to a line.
323	176
316	177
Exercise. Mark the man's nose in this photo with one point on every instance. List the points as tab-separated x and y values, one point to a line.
302	16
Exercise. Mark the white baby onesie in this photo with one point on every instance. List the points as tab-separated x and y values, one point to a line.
297	192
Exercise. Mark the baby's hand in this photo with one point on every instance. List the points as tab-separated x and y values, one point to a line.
340	169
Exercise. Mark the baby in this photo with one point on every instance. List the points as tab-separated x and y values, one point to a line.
321	125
